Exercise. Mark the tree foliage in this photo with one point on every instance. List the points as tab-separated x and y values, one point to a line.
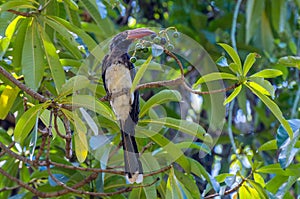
219	112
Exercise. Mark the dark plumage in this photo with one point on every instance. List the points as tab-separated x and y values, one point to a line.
117	74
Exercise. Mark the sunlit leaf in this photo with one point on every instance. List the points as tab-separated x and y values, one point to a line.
259	88
267	73
250	60
7	99
274	109
234	56
235	92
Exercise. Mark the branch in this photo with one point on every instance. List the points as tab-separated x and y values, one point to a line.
22	86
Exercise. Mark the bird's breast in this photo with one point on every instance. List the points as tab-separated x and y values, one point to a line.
118	79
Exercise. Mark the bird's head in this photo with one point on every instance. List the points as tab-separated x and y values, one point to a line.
122	41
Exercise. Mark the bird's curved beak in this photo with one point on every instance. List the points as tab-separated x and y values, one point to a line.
139	33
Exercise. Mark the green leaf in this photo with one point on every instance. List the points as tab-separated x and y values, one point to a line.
213	77
254	9
152	65
27	121
74	84
234	56
187	181
292	170
173	151
160	98
276	182
16	4
57	71
292	61
89	42
90	6
9	32
65	37
235	92
274	109
250	60
18	44
261	192
270	145
259	88
199	170
267	73
7	99
194	145
175	189
140	74
89	102
246	192
80	139
33	57
72	4
184	126
287	145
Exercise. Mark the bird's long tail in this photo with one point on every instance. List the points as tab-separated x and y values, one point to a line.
133	166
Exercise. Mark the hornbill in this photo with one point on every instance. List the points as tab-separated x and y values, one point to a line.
117	75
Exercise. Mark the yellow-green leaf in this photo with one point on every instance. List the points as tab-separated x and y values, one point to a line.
213	77
235	92
267	73
26	122
140	73
7	99
250	59
234	56
273	108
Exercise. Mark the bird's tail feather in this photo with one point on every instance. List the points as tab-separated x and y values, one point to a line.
133	166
